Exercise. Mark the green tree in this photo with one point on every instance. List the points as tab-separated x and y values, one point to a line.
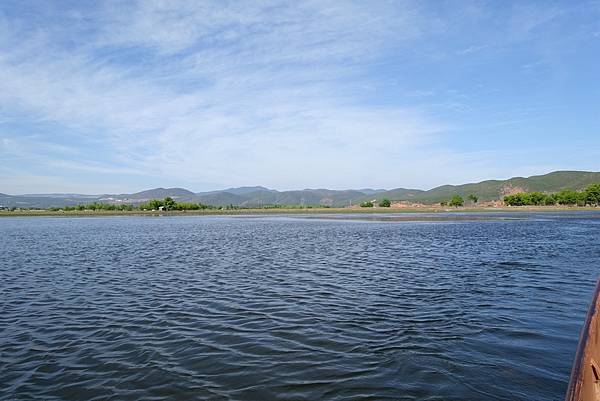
509	200
568	197
473	198
169	203
536	198
187	206
520	199
550	200
385	203
592	194
366	204
456	201
589	196
154	204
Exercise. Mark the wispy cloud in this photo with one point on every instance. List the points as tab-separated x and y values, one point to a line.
249	96
472	49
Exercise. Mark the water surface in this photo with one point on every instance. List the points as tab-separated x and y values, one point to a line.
265	308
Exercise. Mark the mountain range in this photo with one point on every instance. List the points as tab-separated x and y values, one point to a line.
259	196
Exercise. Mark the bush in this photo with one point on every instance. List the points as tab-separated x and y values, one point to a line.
592	194
385	203
568	197
456	201
366	204
550	200
536	198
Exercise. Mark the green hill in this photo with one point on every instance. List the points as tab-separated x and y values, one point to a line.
159	193
496	189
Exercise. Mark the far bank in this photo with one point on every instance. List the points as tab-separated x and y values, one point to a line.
292	211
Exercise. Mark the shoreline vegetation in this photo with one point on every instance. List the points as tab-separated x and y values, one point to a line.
567	197
565	200
297	210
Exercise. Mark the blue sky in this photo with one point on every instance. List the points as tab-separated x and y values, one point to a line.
112	97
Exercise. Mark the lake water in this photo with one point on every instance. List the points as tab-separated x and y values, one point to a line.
274	308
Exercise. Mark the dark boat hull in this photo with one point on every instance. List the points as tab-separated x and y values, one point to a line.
585	376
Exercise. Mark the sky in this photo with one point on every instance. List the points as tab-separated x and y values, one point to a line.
120	96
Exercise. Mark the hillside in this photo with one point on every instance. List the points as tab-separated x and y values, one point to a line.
248	190
271	197
398	194
220	198
496	189
26	201
159	193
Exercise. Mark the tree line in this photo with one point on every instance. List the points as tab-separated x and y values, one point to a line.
169	203
589	196
458	200
382	203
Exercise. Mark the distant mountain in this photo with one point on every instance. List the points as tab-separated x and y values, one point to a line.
236	191
60	196
25	201
60	200
369	191
260	196
247	190
220	199
271	197
398	194
160	193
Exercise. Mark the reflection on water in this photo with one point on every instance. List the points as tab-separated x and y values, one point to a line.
268	308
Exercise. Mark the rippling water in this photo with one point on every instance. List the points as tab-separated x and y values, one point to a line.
265	308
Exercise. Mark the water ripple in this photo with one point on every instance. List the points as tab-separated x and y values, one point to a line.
272	308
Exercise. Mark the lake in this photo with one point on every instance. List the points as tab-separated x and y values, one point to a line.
292	307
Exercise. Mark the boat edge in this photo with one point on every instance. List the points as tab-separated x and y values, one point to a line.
574	388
